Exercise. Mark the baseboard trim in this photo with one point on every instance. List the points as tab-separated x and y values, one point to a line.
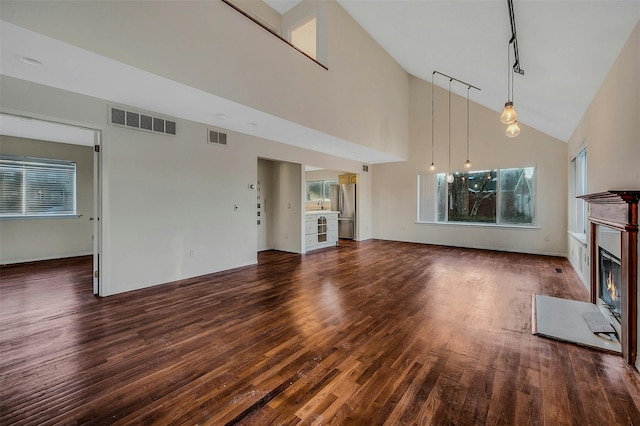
478	247
41	259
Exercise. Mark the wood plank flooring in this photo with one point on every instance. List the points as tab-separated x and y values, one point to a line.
369	333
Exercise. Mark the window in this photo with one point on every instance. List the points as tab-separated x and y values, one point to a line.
320	190
32	187
579	177
499	196
304	37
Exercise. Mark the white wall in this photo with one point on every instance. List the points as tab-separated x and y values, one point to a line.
394	196
610	129
24	240
261	11
164	198
287	207
264	191
322	174
362	98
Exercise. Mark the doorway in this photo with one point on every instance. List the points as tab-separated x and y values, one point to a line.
281	207
34	236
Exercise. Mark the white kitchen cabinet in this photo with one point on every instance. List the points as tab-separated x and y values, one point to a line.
321	229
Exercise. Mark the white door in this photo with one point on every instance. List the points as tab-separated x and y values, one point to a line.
97	229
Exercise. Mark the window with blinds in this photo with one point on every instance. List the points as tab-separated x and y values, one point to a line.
32	187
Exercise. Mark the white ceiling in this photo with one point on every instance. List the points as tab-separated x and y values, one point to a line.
24	127
282	6
566	49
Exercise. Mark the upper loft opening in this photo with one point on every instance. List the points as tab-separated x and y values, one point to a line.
301	24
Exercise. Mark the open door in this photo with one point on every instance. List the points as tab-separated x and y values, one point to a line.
97	213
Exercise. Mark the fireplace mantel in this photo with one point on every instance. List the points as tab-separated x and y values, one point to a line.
618	210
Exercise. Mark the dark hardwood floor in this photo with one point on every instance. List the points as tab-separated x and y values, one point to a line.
368	333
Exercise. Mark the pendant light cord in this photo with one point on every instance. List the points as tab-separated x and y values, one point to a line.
509	72
450	125
468	89
432	112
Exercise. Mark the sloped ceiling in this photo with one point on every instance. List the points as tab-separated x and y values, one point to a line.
566	49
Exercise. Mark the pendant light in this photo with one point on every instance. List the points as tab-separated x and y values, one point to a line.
513	130
432	167
509	114
449	175
467	164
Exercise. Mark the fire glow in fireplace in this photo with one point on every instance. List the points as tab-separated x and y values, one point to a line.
610	282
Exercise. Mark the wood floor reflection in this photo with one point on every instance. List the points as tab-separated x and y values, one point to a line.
368	333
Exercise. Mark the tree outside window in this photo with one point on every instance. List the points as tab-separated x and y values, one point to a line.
499	196
472	197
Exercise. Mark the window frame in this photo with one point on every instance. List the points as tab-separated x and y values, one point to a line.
35	169
295	28
428	212
326	183
579	165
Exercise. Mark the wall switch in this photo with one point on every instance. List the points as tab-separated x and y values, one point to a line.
235	208
192	253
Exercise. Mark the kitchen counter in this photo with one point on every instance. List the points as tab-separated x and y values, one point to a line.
320	211
321	229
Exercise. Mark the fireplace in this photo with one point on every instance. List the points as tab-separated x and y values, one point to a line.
613	250
610	283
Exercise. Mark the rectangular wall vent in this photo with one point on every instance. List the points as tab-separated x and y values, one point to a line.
365	168
216	137
140	121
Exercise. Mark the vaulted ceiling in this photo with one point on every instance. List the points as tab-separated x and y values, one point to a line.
566	49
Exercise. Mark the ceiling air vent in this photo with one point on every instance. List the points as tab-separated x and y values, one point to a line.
216	137
140	121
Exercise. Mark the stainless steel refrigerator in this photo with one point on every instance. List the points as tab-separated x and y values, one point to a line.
343	200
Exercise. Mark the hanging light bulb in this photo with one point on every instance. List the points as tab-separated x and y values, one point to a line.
432	167
509	114
512	130
467	164
450	178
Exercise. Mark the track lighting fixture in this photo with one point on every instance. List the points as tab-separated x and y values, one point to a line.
467	165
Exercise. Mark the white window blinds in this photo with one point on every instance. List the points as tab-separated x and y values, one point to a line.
37	187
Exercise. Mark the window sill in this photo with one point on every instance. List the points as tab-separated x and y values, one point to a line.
581	237
481	225
65	216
